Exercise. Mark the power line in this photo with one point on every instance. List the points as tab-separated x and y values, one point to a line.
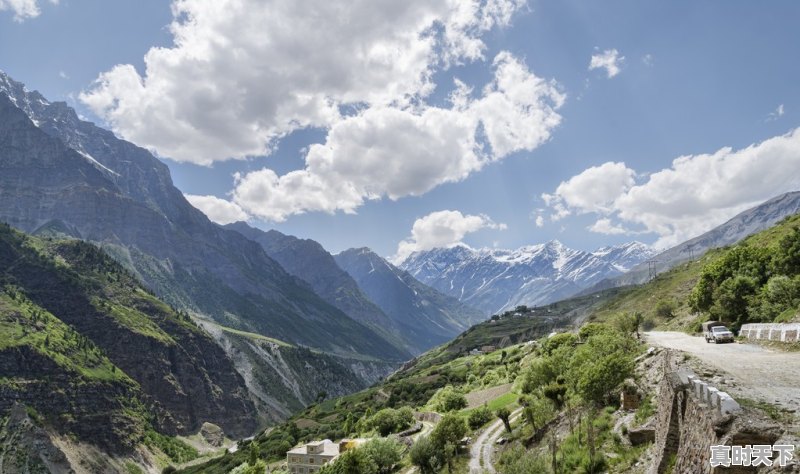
651	269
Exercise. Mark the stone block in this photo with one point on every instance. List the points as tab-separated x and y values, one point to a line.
727	405
638	436
698	388
710	393
684	377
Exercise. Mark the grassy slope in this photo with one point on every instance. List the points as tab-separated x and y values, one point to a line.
677	283
50	355
23	323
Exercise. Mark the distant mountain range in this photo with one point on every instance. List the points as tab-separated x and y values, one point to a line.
746	223
421	313
497	280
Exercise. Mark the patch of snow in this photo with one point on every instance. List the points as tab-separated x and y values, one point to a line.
97	163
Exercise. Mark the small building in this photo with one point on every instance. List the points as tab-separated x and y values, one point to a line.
311	457
475	352
488	349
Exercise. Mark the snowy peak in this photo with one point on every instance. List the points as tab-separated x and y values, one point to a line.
625	256
498	279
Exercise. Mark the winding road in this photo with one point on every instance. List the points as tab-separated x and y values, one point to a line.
483	447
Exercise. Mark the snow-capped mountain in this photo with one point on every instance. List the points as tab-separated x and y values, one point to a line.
495	280
625	256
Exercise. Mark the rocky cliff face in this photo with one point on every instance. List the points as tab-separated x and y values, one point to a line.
424	315
58	173
309	261
285	379
100	357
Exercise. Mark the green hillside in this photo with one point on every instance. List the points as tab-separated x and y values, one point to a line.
764	266
98	358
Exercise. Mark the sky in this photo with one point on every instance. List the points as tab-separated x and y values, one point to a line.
404	126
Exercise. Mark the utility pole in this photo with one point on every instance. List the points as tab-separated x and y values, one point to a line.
651	269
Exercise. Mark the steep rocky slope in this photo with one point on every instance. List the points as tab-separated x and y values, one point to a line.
58	173
424	315
97	374
71	313
309	261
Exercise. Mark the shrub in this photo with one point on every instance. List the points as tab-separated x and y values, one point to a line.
479	417
389	420
448	399
563	339
384	452
450	430
665	309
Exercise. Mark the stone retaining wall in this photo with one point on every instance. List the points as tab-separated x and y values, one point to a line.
430	417
693	415
772	332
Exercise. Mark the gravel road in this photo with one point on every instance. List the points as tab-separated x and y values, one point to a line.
484	446
749	370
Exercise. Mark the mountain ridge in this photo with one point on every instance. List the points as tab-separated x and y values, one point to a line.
309	261
496	280
740	226
57	167
435	317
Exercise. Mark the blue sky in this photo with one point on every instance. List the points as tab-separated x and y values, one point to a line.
692	79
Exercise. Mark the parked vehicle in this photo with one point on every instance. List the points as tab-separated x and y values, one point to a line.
717	332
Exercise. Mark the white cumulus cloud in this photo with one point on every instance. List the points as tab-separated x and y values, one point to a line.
593	190
241	74
442	229
604	225
696	193
610	60
22	9
396	152
218	210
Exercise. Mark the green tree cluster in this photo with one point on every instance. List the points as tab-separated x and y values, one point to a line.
448	399
479	417
751	284
376	456
389	420
434	452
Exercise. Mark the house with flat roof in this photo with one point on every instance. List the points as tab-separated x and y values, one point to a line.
312	456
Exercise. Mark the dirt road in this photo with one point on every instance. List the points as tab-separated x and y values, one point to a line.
483	447
747	370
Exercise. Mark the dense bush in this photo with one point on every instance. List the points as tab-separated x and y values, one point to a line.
479	417
389	420
665	309
376	456
751	283
448	399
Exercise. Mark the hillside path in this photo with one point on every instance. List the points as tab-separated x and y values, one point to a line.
483	447
750	370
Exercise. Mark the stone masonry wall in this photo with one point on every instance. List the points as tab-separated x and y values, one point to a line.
772	332
692	416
